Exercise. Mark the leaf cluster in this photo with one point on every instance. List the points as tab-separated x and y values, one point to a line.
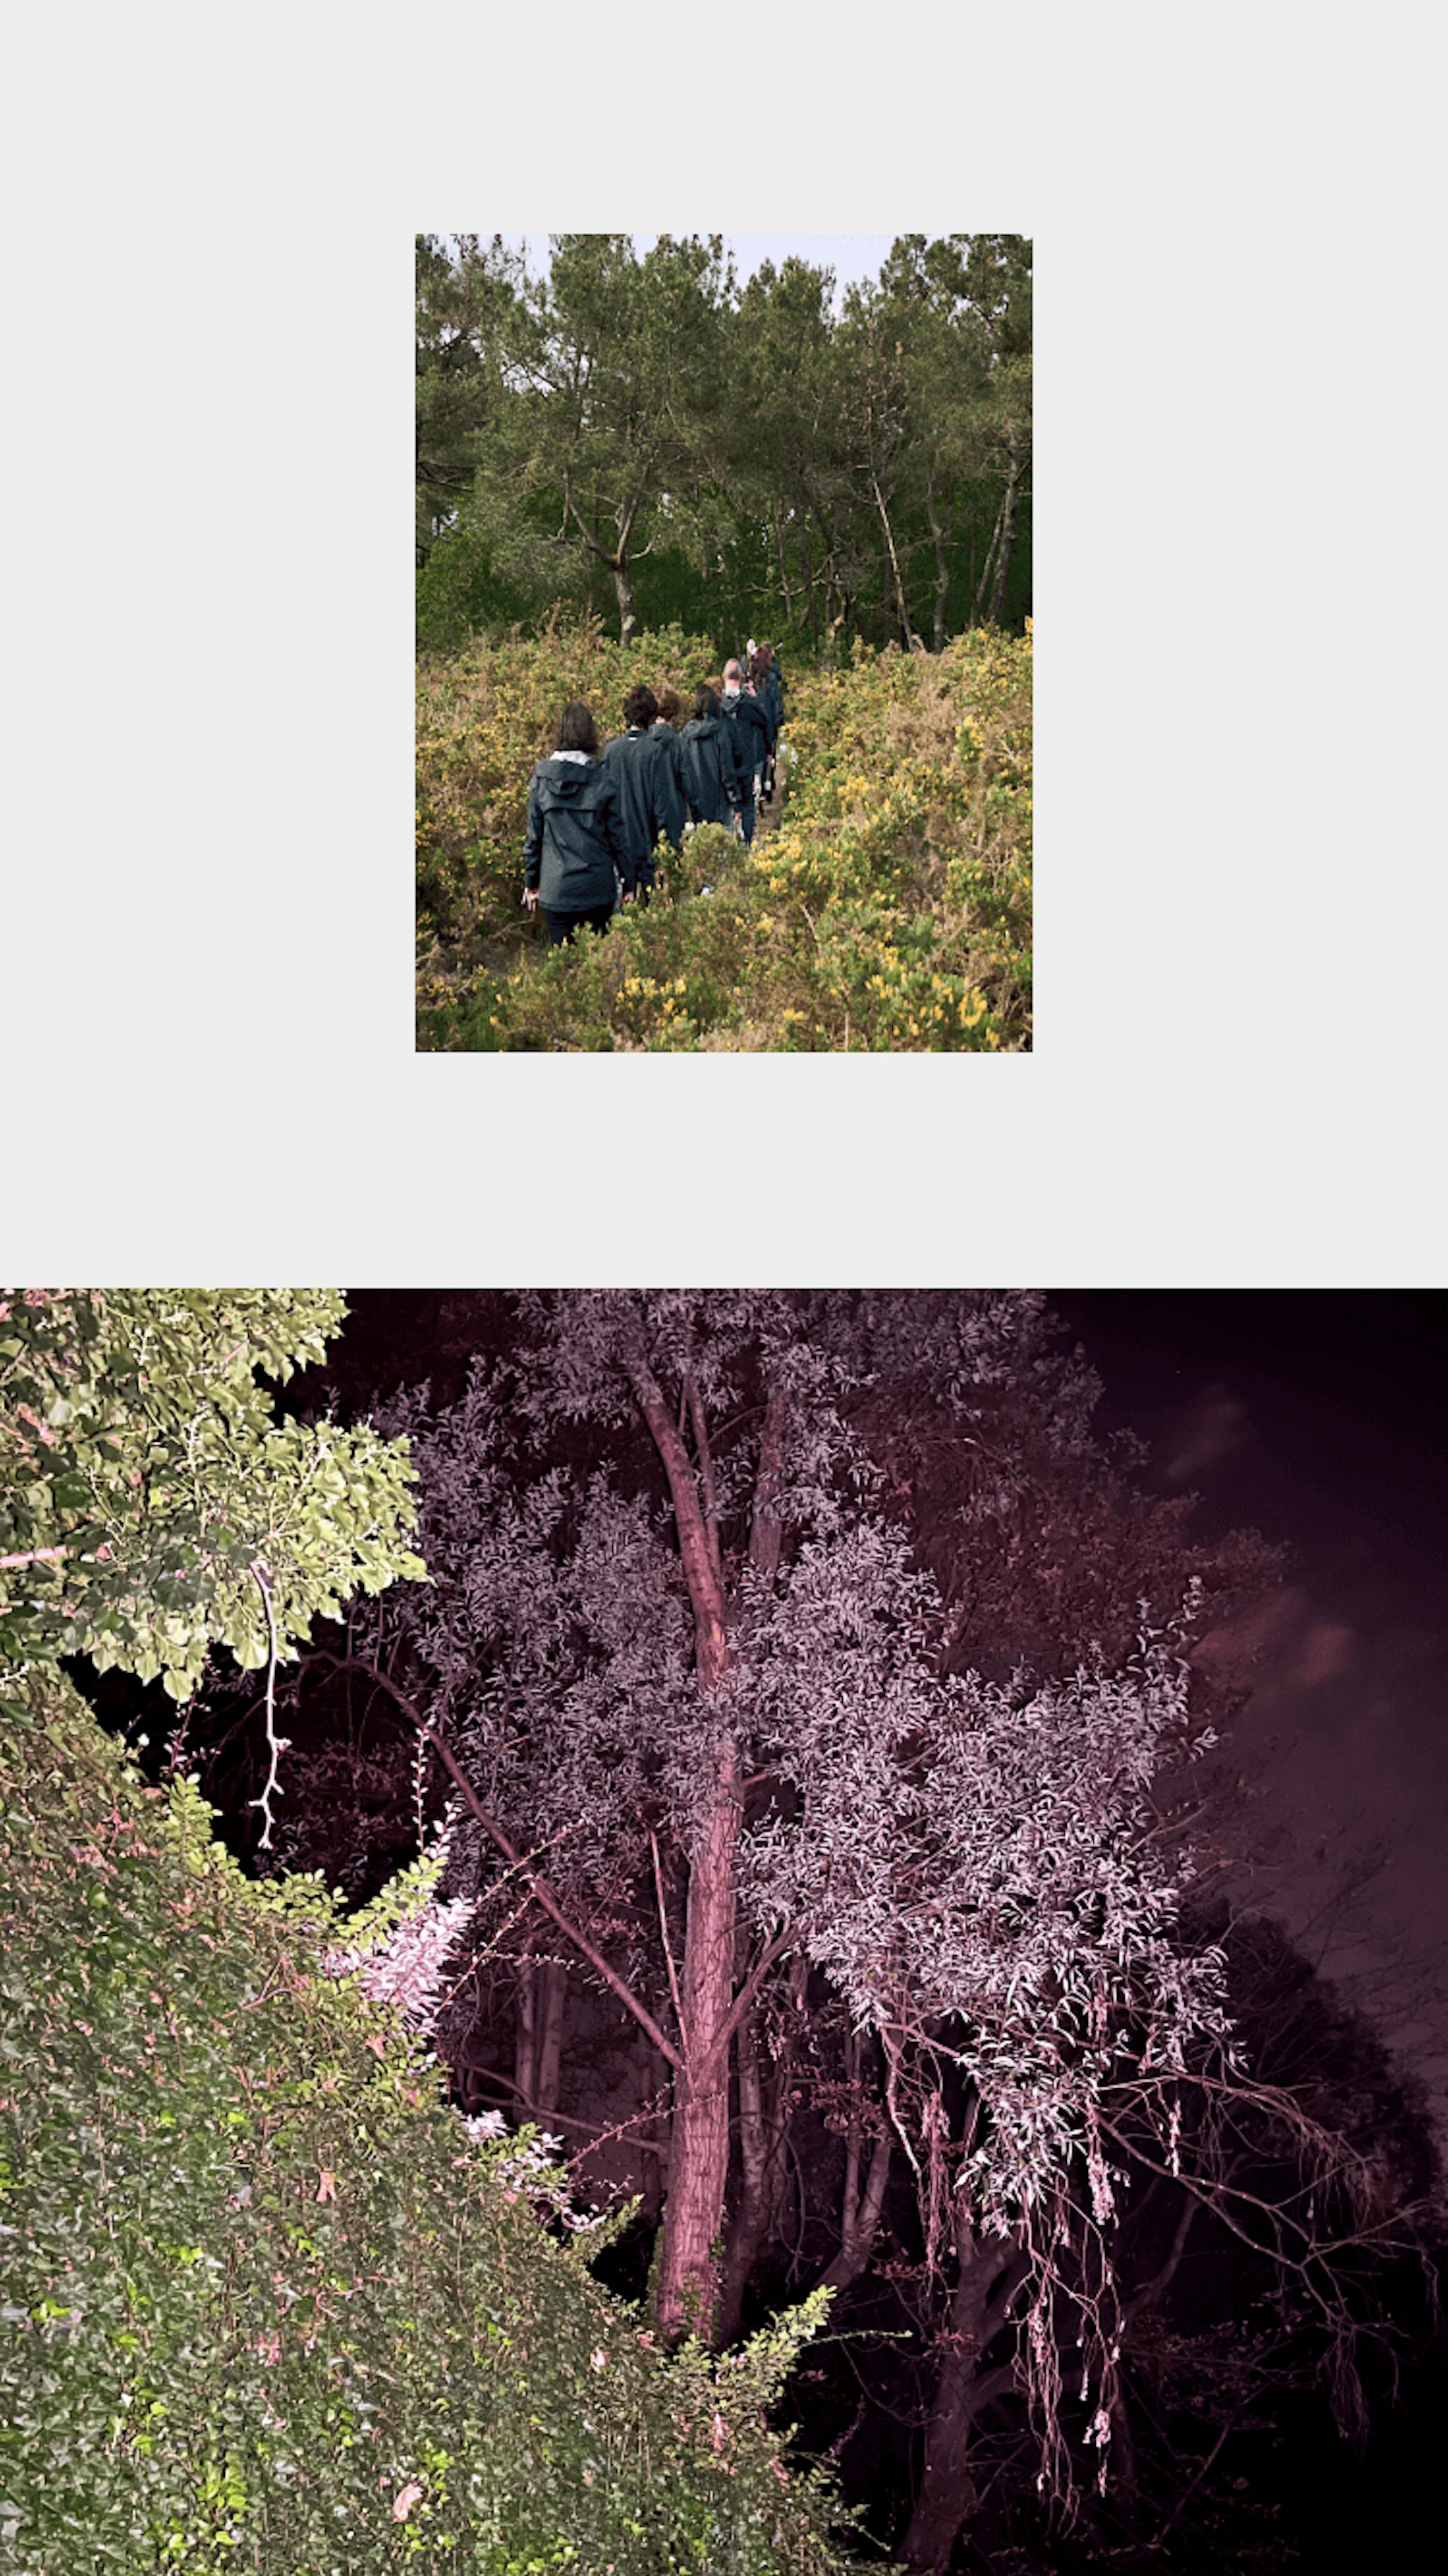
150	1501
263	2302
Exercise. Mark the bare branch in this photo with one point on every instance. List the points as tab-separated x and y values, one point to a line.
539	1886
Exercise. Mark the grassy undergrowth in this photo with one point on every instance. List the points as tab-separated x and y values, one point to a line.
889	909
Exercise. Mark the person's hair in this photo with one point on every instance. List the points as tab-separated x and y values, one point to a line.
733	664
576	729
640	707
706	703
669	703
764	656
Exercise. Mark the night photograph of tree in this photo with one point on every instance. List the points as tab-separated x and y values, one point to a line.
746	520
720	1929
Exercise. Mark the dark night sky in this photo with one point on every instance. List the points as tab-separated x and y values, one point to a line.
1321	1418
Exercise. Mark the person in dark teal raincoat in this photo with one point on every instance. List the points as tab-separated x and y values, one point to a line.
670	802
632	763
746	719
574	848
706	754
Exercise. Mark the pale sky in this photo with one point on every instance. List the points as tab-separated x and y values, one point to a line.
853	256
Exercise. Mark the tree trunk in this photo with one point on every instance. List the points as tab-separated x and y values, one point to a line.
860	2211
811	589
942	567
688	2288
1008	526
983	585
948	2494
542	1993
688	2282
860	2207
525	2037
654	2124
785	591
627	619
763	2118
906	629
552	1995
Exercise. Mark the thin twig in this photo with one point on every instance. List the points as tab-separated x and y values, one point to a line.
277	1745
539	1887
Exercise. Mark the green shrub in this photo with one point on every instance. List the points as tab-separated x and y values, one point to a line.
485	714
889	910
265	2304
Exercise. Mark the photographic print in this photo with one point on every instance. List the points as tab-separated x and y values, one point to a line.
772	1930
724	643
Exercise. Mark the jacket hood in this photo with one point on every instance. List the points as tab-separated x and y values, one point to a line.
565	778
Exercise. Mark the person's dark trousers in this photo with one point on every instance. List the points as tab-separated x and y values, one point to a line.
643	880
562	925
746	819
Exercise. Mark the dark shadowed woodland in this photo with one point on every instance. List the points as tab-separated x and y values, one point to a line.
782	1977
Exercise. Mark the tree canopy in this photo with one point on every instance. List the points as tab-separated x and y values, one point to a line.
642	432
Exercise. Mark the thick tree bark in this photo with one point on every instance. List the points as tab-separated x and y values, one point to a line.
699	2163
948	2495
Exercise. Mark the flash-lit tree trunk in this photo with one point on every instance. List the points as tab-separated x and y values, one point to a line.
542	1993
863	2198
763	2121
699	2151
986	2275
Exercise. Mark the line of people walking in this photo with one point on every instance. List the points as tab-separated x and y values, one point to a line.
595	818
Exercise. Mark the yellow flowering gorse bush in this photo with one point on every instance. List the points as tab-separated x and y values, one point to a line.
888	911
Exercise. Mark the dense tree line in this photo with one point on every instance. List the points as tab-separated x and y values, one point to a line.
647	436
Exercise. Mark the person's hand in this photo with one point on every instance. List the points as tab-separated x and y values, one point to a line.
627	895
530	898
